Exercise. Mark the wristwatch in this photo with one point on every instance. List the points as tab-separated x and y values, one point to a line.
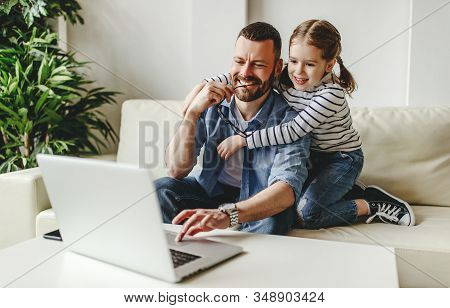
232	211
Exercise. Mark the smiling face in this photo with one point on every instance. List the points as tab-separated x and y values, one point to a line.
254	68
306	65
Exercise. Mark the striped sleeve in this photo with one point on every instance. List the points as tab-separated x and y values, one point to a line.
223	78
323	105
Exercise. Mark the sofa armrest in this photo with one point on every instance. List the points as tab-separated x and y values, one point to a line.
22	197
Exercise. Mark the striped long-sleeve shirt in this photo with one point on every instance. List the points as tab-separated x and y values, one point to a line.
323	111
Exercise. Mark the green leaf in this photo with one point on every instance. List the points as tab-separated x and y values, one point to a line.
41	76
7	6
41	101
36	52
59	71
45	88
40	41
20	100
4	108
23	112
28	126
67	88
28	71
70	97
41	6
18	68
13	87
59	79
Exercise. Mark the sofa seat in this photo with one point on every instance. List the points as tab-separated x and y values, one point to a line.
431	232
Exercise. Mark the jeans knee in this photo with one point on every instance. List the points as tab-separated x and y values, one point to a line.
165	183
309	212
166	193
308	208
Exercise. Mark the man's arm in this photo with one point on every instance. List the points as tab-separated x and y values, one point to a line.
289	171
180	154
266	203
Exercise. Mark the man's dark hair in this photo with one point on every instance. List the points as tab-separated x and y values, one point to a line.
261	31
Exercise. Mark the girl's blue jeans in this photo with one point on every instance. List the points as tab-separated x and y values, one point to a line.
331	177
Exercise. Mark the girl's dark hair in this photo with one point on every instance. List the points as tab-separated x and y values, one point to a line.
323	35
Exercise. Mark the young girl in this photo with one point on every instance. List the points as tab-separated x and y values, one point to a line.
309	85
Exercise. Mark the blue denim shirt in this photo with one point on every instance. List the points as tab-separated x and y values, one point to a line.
262	167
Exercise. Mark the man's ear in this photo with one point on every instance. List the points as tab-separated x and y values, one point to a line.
330	65
278	67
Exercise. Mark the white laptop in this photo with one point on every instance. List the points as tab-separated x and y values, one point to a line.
110	212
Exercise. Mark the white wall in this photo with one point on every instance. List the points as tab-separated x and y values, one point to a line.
214	27
160	49
430	53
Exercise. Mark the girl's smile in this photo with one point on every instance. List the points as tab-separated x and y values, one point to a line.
306	65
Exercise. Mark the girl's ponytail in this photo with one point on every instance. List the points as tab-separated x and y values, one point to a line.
346	80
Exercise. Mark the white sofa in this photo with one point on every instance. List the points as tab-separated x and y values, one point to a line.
407	152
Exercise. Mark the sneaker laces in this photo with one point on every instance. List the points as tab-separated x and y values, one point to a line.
385	211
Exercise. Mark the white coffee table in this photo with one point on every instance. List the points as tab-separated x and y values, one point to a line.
267	261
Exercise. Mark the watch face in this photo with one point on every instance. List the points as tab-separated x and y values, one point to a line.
231	210
228	206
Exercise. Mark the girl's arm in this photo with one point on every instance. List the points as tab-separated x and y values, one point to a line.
223	78
323	105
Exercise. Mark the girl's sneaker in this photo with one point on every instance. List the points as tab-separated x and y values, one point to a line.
357	191
387	208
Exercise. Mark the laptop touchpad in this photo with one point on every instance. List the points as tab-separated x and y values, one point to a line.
170	237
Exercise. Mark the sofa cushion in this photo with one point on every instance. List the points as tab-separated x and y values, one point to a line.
431	232
407	151
145	131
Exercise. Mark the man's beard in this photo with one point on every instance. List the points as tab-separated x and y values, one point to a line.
247	95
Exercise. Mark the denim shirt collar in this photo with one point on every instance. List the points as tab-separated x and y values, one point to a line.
261	116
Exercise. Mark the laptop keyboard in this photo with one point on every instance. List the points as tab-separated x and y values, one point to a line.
180	258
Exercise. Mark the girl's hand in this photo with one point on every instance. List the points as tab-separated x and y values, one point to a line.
230	146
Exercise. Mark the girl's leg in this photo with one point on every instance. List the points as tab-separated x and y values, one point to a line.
335	174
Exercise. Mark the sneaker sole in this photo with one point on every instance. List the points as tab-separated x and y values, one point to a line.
412	215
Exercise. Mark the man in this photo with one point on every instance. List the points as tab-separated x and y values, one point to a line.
257	188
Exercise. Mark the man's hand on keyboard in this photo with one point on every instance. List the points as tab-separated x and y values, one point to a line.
200	220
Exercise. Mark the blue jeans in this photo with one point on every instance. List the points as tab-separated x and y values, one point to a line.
177	195
332	176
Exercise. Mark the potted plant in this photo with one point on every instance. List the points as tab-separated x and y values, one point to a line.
46	104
